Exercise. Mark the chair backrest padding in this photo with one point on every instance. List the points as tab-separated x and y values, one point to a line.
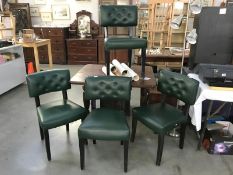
118	15
107	88
180	86
48	81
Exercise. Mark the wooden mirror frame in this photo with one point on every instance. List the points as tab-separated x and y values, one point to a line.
74	31
21	22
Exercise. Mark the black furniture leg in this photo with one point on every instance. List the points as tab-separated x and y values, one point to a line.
126	145
134	127
130	57
205	124
107	61
41	133
182	135
82	153
160	149
47	144
122	142
143	60
94	141
67	127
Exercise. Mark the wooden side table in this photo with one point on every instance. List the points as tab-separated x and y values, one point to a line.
35	45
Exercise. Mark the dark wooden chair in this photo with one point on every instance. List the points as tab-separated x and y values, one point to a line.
105	123
162	117
57	112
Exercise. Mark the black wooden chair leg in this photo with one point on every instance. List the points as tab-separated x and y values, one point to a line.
130	57
47	144
82	153
182	135
41	133
160	149
122	142
134	127
107	60
94	141
67	127
126	145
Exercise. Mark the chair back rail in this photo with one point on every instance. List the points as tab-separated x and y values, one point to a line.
177	85
48	81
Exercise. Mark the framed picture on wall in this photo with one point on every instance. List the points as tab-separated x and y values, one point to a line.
34	11
40	1
61	11
58	1
12	1
46	16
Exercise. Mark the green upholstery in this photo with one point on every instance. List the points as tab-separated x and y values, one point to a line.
105	123
162	117
56	112
121	16
51	81
124	43
59	112
106	88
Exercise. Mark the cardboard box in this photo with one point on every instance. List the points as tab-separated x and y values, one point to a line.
220	141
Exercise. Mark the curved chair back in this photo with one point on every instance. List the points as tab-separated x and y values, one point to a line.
48	81
107	88
180	86
118	15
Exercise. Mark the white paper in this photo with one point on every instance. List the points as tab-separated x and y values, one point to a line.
121	69
130	73
105	71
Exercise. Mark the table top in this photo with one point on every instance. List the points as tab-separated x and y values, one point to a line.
96	70
38	42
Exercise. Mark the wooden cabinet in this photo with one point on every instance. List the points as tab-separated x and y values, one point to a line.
57	35
82	51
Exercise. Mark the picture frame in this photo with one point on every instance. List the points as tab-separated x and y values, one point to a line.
46	16
6	22
61	11
34	11
12	1
40	1
58	1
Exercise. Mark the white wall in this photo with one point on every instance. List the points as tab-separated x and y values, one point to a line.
75	6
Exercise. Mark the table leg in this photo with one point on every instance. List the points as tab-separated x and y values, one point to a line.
36	55
50	56
205	125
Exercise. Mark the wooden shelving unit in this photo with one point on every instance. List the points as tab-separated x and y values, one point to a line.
7	29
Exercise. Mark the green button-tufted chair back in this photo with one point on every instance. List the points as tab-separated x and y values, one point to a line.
48	81
107	88
177	85
57	112
120	15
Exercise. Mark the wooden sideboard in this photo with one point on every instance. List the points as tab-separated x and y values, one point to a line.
57	35
82	51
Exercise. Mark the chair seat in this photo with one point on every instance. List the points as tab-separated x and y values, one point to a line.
124	43
59	112
160	118
105	124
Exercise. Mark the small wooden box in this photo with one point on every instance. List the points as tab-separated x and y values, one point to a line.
28	35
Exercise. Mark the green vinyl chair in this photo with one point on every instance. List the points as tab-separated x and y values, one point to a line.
56	112
121	16
162	117
105	123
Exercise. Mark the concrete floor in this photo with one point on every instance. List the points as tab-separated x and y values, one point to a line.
23	153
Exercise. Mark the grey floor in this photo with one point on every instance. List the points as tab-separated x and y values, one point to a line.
22	152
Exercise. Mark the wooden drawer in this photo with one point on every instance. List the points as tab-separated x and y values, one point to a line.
57	40
40	32
84	59
56	47
82	43
55	32
86	51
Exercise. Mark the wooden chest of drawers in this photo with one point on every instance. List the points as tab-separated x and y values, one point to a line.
82	51
57	35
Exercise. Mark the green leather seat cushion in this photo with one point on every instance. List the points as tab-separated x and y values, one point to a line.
59	112
160	118
104	124
124	43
